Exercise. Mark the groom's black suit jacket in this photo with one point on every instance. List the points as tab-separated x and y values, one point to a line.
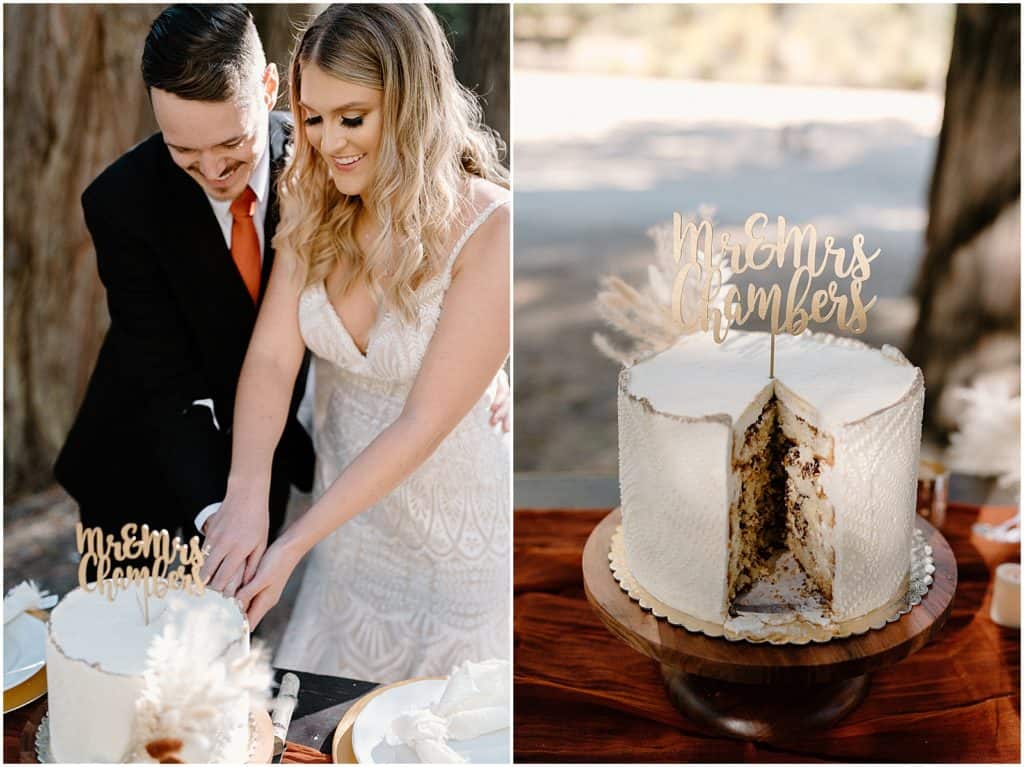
180	322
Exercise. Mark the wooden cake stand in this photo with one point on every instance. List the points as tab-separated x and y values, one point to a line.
763	691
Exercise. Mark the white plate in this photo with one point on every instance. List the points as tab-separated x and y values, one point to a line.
24	648
368	731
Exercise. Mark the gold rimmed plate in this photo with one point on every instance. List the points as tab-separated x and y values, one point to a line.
341	748
29	691
24	659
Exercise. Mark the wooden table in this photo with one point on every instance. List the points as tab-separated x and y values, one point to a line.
582	695
322	702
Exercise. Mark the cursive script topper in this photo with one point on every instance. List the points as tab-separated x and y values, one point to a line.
110	555
700	262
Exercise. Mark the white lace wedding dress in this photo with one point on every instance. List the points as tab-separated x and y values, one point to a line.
420	581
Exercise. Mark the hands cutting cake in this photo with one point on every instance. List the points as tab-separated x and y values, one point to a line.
264	589
236	537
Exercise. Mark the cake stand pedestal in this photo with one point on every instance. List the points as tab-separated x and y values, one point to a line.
762	691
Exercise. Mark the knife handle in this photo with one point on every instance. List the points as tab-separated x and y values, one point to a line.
284	707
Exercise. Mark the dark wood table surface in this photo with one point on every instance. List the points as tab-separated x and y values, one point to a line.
582	695
322	702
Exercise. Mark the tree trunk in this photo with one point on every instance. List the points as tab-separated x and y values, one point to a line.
484	63
74	101
279	25
967	288
479	36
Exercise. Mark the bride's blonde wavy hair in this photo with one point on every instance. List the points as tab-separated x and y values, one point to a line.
433	139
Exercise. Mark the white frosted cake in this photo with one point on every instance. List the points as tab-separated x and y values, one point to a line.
96	659
724	470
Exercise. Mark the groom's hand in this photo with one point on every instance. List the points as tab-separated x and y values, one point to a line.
501	407
237	537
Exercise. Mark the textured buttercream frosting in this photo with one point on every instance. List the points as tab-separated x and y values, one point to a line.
679	414
96	655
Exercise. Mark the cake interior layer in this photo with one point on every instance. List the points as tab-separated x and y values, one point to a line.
810	519
778	503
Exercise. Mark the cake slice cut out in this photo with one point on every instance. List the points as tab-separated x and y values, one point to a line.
780	519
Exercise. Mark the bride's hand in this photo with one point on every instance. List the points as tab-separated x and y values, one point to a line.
264	590
237	537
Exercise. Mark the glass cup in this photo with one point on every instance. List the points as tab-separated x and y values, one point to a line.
932	491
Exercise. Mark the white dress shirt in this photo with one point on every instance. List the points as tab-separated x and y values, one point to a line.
260	183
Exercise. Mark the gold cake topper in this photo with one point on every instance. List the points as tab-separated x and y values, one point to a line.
108	555
798	245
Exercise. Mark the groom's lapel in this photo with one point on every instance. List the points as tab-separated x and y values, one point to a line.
200	264
269	228
280	138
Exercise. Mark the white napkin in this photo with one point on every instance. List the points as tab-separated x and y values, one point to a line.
26	596
476	700
1007	532
426	733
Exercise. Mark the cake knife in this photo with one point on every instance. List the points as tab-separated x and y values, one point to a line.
281	716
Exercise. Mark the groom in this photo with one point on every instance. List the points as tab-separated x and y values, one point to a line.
182	224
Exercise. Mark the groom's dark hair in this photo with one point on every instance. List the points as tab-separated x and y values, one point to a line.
203	52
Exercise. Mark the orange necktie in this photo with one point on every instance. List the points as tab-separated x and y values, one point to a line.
245	244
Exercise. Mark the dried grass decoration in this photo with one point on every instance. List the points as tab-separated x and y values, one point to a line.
987	440
109	555
190	689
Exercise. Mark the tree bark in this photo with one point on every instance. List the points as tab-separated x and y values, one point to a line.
969	319
279	26
479	36
74	101
483	63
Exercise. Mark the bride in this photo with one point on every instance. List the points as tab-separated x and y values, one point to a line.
393	268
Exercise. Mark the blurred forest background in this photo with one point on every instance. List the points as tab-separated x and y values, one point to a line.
880	46
900	122
74	101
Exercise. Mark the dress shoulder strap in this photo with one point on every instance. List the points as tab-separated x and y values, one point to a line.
470	230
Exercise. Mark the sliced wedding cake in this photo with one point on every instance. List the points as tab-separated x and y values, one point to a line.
724	469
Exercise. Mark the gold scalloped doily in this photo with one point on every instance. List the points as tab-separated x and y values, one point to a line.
797	631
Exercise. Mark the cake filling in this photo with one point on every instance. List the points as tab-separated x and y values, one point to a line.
780	512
